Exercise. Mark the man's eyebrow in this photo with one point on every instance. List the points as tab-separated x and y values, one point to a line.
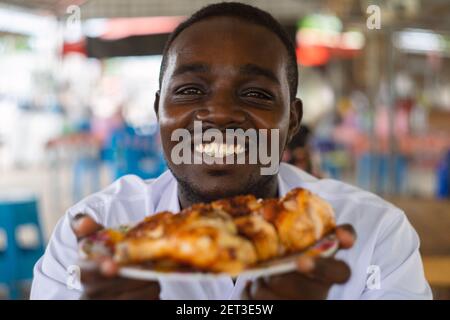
255	70
192	67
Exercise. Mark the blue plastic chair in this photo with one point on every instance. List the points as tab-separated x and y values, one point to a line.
377	166
136	153
86	168
21	241
443	178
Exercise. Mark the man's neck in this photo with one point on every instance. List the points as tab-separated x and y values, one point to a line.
268	189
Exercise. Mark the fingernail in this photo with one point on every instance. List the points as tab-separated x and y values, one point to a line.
108	267
350	231
305	263
75	222
346	238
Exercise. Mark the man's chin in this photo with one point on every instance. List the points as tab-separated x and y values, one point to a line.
214	187
209	183
214	190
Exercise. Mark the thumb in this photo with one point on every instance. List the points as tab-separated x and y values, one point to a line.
83	226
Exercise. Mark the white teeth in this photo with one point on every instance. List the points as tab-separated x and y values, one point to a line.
219	150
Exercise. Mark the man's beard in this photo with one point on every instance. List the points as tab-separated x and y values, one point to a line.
192	192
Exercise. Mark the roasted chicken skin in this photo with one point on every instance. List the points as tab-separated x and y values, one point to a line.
227	235
302	219
201	237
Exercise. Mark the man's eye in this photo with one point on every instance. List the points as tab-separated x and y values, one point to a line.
189	91
258	95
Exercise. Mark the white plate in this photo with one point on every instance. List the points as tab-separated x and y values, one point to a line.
324	248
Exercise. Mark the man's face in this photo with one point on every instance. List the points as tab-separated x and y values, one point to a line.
228	74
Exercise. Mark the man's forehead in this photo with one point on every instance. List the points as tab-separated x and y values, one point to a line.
227	43
223	26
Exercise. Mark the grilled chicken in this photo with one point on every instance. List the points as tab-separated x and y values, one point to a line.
227	235
201	237
302	219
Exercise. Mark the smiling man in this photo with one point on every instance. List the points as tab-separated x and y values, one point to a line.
231	66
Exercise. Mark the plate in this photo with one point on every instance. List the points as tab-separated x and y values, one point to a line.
326	247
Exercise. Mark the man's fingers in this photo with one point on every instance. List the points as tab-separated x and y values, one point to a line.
122	288
83	226
108	267
148	292
295	285
259	290
98	284
327	270
346	235
101	270
88	276
100	281
305	264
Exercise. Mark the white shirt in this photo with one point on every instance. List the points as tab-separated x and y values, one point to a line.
386	241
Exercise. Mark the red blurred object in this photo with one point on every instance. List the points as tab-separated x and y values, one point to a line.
74	47
312	55
114	30
125	27
320	55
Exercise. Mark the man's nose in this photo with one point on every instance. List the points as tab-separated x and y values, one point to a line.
222	112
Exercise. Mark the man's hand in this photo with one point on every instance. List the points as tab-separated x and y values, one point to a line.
313	278
101	280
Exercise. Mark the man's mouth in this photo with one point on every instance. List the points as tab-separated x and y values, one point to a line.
227	149
219	150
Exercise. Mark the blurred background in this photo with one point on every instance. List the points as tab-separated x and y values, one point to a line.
77	85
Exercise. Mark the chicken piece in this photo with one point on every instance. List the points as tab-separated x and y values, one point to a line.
102	243
238	206
152	227
277	226
247	212
302	219
262	234
200	237
227	235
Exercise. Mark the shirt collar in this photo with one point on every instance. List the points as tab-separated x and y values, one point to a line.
283	187
169	199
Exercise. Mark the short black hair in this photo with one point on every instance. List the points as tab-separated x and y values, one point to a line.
246	13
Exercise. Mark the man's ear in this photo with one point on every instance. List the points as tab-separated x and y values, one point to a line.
156	104
296	115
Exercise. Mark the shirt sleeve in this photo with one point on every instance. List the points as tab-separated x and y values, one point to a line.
396	271
56	274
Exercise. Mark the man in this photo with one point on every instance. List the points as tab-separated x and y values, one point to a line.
231	66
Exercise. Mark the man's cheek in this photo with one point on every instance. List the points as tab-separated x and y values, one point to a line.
167	143
269	151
